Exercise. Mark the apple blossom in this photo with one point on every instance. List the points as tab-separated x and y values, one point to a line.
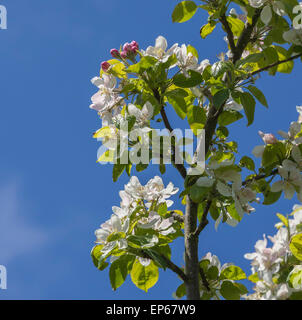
159	50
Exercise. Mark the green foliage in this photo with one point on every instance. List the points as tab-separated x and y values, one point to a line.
184	11
144	277
119	270
232	273
296	246
194	79
207	29
221	97
196	118
248	103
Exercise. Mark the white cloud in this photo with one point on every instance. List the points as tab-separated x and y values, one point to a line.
18	235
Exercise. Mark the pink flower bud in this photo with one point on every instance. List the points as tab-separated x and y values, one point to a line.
127	47
134	46
124	54
105	66
115	53
268	138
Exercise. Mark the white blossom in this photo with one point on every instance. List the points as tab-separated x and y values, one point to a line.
291	179
159	50
106	98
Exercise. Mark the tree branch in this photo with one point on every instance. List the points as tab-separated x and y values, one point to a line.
229	32
245	36
204	279
180	167
204	219
170	265
259	177
275	64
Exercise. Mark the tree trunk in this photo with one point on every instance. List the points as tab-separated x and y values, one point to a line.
191	251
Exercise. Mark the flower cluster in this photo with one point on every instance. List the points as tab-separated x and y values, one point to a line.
120	102
233	197
290	157
142	216
275	270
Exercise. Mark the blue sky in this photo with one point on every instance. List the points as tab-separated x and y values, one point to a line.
53	194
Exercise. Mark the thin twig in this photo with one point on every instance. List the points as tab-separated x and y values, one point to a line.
204	279
275	64
170	265
204	219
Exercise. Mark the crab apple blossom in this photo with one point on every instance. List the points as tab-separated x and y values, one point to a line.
159	51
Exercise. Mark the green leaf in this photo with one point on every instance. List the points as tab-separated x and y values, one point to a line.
236	25
184	11
162	209
97	259
181	291
273	153
283	219
295	277
271	197
286	67
176	99
230	291
233	212
196	118
207	29
247	162
191	49
254	277
228	117
258	95
194	79
221	97
117	171
144	277
197	193
212	273
296	246
119	269
248	103
232	273
145	63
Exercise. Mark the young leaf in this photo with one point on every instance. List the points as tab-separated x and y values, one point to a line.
296	246
119	269
232	273
257	93
207	29
144	277
221	97
248	103
184	11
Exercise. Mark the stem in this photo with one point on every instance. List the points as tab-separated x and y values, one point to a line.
180	167
276	64
204	220
170	265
